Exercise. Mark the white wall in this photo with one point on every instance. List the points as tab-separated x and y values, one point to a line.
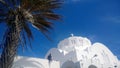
78	49
83	54
29	62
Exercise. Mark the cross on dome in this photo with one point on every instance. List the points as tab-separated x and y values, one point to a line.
72	34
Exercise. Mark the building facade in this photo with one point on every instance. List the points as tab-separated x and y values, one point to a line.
74	52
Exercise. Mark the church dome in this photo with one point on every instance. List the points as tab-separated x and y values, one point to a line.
74	42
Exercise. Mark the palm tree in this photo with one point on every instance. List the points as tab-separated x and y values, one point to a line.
17	15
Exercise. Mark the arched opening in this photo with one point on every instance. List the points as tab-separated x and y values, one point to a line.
92	66
68	64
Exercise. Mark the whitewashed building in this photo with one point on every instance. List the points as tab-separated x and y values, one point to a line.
72	52
31	62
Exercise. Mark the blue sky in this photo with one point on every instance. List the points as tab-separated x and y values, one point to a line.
98	20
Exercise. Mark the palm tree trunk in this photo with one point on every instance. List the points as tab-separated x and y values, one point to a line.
9	52
10	46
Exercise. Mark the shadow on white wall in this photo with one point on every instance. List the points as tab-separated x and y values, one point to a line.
26	62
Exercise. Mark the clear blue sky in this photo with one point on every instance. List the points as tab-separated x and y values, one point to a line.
98	20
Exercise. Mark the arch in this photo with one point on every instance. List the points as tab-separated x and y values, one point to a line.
68	64
92	66
25	62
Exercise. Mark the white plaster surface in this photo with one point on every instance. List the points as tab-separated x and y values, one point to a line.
30	62
73	52
79	51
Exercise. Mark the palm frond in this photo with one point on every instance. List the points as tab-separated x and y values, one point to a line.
43	22
45	5
51	16
5	4
2	20
42	29
13	2
2	14
18	14
25	4
27	30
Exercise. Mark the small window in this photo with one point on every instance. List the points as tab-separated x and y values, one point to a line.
73	41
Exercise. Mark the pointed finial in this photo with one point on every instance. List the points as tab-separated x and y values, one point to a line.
72	35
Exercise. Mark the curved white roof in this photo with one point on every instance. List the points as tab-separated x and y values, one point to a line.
74	42
77	48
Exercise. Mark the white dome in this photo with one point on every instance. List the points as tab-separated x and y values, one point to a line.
74	42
